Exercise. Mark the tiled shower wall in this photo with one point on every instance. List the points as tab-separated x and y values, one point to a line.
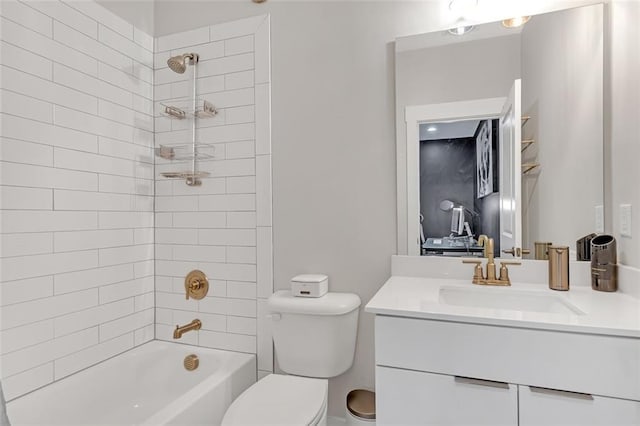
77	272
224	226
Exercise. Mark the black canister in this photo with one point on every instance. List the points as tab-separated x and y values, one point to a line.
604	259
583	247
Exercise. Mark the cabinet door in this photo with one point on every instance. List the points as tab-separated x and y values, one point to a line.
406	397
547	407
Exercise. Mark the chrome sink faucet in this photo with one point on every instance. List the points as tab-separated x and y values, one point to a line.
479	277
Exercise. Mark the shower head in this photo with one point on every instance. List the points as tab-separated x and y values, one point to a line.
179	63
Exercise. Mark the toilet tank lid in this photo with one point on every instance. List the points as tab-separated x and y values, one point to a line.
330	304
309	278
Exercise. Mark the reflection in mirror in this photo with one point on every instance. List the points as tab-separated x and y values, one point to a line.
458	186
559	58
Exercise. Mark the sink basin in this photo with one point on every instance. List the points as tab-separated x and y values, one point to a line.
509	299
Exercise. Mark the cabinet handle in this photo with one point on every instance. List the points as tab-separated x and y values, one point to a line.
568	394
480	382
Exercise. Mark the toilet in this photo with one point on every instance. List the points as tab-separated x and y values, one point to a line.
314	339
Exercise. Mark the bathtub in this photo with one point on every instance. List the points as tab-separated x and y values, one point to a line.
147	385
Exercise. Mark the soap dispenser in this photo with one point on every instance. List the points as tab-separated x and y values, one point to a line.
559	268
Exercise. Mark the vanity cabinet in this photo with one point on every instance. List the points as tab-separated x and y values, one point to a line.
431	372
406	397
539	406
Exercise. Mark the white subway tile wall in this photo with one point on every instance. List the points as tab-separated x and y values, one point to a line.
76	190
224	226
82	272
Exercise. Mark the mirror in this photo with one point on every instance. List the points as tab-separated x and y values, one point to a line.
558	57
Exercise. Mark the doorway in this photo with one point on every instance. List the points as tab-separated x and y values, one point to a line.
459	198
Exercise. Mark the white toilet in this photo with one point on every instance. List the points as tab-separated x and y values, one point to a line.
314	339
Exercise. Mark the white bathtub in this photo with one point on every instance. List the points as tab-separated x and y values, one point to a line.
147	385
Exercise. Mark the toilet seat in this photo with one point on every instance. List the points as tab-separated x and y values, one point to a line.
280	400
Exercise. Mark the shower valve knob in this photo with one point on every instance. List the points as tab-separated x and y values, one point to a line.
196	285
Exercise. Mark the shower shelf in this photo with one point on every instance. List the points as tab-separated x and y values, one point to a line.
192	178
181	109
528	167
185	152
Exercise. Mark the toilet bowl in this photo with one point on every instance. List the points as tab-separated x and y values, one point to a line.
280	400
314	339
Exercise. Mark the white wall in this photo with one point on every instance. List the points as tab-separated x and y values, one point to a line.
334	137
482	69
76	190
562	92
222	227
623	131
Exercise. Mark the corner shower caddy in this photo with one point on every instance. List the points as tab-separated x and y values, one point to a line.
193	108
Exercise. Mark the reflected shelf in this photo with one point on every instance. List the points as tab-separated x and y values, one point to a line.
526	143
528	167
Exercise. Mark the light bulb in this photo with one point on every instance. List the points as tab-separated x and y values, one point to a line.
516	22
461	30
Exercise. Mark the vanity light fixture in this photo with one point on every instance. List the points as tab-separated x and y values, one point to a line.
516	22
461	30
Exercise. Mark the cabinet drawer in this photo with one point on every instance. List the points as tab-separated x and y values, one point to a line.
406	398
601	365
544	407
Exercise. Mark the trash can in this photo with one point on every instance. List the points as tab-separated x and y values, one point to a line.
361	408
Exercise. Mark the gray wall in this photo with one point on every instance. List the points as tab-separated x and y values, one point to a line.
447	171
562	92
622	131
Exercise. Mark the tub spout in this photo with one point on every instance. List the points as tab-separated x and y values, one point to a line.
196	324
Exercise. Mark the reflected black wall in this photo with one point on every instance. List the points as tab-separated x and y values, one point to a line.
448	172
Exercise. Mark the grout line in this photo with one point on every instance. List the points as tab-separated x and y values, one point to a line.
150	179
54	124
149	148
79	51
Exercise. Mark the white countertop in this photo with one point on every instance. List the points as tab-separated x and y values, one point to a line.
597	312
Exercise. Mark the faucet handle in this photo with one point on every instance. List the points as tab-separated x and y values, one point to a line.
504	272
477	270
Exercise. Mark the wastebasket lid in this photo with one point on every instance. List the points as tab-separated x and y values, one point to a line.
362	403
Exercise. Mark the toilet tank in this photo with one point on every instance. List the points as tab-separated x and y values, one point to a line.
314	337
